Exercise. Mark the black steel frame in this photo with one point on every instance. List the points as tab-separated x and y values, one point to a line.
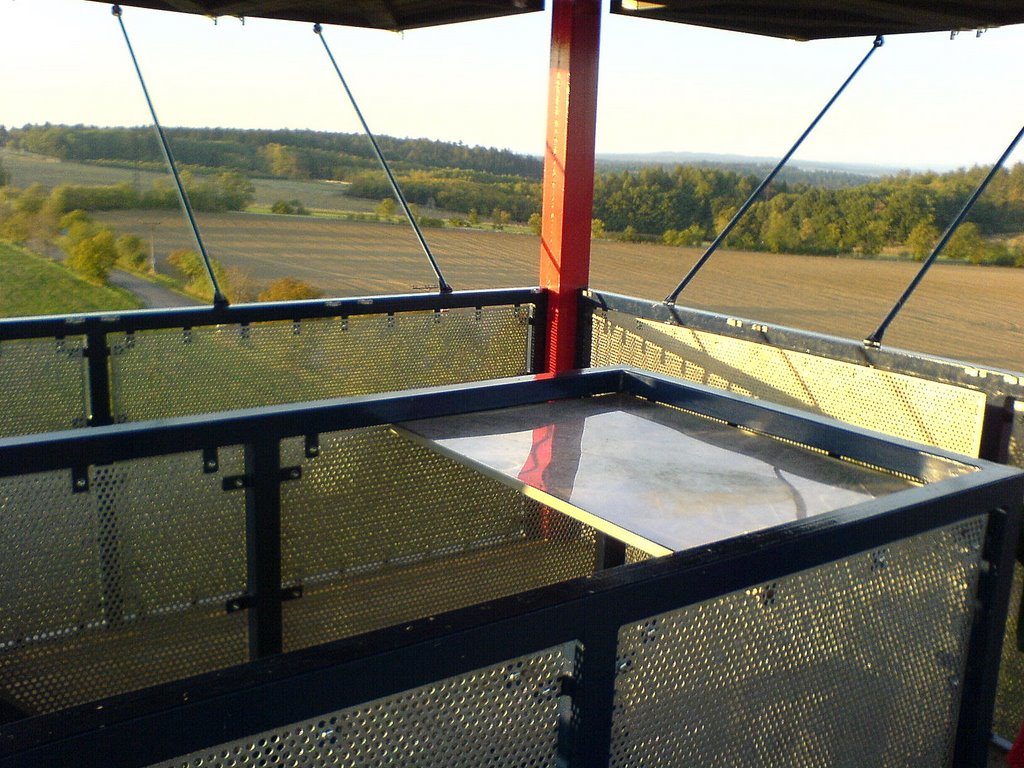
1002	387
188	715
96	327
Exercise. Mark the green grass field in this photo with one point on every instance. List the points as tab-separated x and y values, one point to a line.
34	285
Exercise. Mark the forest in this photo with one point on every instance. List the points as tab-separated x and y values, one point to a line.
804	213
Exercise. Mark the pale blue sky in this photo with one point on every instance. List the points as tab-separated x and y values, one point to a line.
924	100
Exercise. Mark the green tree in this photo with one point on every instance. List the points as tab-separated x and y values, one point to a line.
965	244
596	228
385	208
994	254
92	254
535	223
780	234
188	262
289	207
284	161
289	289
630	235
500	218
5	178
922	239
197	281
131	253
691	236
235	191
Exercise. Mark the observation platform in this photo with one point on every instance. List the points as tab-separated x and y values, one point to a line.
529	527
609	566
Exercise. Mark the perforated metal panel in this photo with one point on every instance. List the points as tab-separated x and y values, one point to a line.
903	406
122	585
855	663
381	530
636	555
1009	714
42	385
1016	447
48	559
176	538
177	372
504	716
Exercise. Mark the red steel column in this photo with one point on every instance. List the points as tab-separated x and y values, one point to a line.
569	172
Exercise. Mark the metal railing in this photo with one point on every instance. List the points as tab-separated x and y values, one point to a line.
562	668
963	407
77	370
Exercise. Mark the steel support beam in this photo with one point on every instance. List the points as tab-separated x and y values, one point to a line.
569	172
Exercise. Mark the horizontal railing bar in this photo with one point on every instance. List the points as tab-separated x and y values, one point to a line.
992	380
803	427
191	317
120	442
188	715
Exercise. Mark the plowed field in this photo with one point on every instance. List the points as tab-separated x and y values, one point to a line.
959	311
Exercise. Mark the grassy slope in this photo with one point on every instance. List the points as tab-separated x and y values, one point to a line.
33	285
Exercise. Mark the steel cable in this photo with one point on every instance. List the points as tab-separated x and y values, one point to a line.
219	300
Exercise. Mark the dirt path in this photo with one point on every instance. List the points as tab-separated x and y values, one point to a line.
151	295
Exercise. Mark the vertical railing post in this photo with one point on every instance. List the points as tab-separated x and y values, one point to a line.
567	208
97	354
538	355
996	429
594	700
263	546
981	676
584	332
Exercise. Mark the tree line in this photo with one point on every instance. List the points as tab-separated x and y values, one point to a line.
680	205
687	205
278	153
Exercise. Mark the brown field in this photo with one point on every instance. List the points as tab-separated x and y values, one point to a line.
961	312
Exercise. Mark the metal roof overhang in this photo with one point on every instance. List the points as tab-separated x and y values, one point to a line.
815	19
379	14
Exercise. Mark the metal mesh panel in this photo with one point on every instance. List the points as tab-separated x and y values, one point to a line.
175	538
42	385
381	530
853	663
504	716
1009	712
1016	447
121	586
915	409
177	372
636	555
47	558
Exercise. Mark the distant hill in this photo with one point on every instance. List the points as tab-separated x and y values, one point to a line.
829	175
